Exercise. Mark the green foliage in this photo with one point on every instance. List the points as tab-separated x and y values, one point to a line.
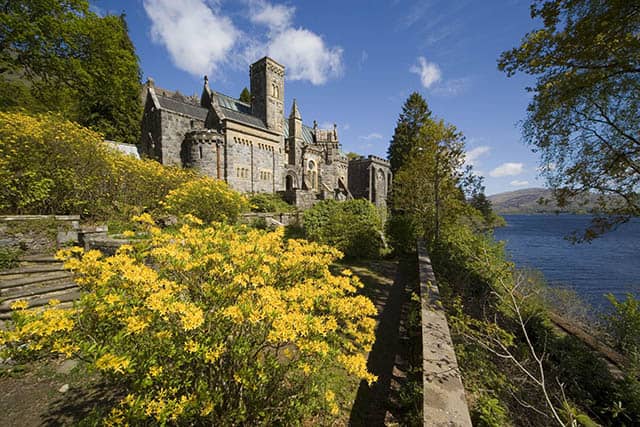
245	96
51	166
489	412
59	56
265	202
415	114
207	199
428	185
9	257
353	226
624	323
351	155
402	232
584	115
480	202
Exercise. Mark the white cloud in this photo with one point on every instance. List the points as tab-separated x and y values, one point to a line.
472	156
197	39
371	136
507	169
275	16
517	183
200	39
429	72
451	87
305	55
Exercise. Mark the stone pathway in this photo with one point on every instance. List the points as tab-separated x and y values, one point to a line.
378	405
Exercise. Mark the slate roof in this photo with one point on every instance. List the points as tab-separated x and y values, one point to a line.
307	132
183	108
232	108
238	111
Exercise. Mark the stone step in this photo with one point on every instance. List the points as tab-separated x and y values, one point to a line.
38	258
25	271
42	288
65	297
31	280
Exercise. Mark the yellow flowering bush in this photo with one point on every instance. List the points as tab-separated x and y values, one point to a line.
215	325
208	199
51	165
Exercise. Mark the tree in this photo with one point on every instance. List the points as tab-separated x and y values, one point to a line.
585	113
245	96
427	186
415	113
59	56
480	202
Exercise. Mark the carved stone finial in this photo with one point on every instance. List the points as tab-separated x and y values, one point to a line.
315	125
206	79
150	82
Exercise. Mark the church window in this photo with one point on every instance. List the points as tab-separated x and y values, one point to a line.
200	147
313	174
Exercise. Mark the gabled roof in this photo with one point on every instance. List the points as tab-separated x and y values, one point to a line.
237	111
182	108
232	109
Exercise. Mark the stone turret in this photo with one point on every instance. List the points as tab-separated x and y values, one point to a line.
267	92
294	144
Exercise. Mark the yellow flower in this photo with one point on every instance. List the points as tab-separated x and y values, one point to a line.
154	371
128	234
206	409
191	346
19	305
192	318
135	324
213	354
111	362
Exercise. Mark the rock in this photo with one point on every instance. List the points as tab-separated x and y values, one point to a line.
64	388
66	366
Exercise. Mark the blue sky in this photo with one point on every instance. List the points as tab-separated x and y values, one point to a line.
354	63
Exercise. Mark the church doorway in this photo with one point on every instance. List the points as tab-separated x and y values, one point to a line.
289	183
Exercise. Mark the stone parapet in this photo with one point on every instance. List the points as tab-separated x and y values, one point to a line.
443	393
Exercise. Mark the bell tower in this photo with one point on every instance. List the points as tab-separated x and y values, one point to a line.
267	92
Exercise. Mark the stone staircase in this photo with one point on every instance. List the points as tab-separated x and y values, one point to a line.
38	279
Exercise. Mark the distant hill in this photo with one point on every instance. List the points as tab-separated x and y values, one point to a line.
526	201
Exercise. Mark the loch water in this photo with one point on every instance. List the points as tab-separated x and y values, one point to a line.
610	264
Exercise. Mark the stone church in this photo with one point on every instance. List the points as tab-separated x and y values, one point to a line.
254	147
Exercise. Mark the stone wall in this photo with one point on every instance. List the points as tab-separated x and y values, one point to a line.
174	128
35	234
370	178
443	394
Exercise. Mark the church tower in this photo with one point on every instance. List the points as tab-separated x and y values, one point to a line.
267	92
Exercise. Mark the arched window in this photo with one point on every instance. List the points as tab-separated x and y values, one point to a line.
313	175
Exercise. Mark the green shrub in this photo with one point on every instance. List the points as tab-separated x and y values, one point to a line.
265	202
207	199
9	257
50	165
624	323
489	412
402	233
353	226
